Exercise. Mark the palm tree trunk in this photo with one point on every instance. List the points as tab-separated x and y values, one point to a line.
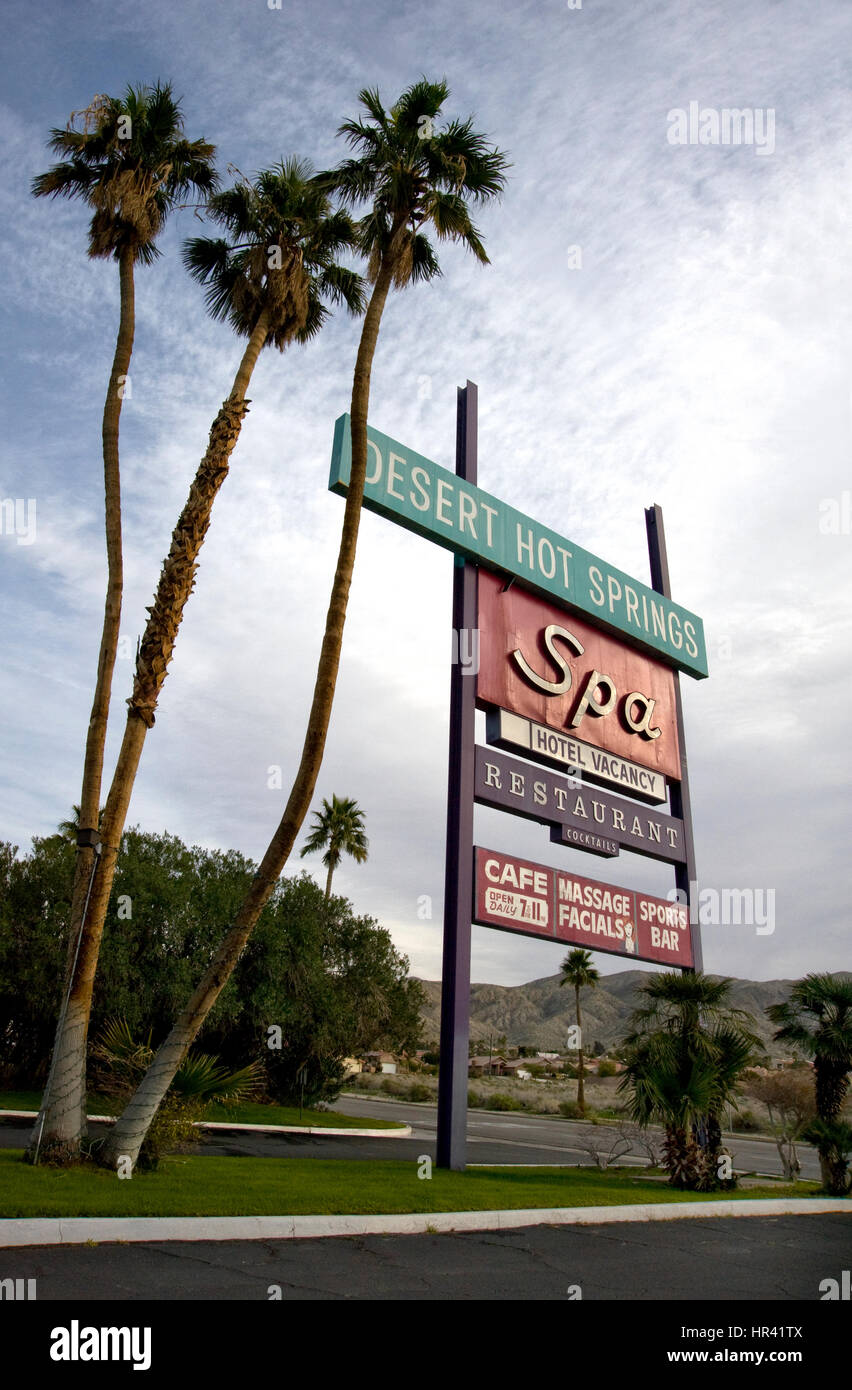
64	1100
96	738
581	1097
328	882
69	1086
127	1136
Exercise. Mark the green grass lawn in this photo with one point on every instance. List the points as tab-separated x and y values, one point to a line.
248	1113
195	1186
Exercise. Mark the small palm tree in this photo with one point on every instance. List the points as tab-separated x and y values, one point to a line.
413	179
817	1021
269	281
683	1060
68	828
339	830
577	970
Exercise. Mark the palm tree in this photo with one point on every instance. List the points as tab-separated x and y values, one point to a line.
817	1021
577	970
68	828
269	281
131	164
683	1059
340	827
833	1139
412	183
686	1092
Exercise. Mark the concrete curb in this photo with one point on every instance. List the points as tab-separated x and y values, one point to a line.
79	1230
403	1132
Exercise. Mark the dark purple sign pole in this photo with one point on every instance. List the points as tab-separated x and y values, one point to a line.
681	805
458	885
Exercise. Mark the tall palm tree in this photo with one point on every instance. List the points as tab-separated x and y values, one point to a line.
577	970
817	1020
269	280
683	1059
411	183
339	830
131	164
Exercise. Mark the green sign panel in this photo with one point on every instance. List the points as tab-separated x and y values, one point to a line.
408	488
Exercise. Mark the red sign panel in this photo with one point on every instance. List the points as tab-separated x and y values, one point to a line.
547	664
536	900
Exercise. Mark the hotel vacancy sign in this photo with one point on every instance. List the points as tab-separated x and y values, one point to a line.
445	508
555	749
535	900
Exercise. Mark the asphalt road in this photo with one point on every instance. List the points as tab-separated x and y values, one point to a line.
517	1138
510	1138
714	1259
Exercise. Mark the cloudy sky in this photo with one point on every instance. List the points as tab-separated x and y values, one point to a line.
660	322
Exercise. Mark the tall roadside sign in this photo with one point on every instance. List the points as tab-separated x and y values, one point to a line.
578	675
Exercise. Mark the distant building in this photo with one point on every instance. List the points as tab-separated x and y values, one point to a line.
487	1066
518	1068
380	1062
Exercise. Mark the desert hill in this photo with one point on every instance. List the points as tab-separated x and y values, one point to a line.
540	1013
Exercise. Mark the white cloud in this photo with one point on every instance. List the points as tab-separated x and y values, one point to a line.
698	359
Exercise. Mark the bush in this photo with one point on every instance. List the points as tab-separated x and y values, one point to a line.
474	1100
500	1101
320	1078
392	1087
746	1122
119	1061
571	1110
420	1093
607	1068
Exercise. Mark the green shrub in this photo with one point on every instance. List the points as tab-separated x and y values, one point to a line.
119	1061
392	1087
172	1129
571	1110
474	1100
500	1101
607	1068
746	1122
419	1092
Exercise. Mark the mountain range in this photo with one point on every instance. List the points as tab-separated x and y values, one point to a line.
539	1014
